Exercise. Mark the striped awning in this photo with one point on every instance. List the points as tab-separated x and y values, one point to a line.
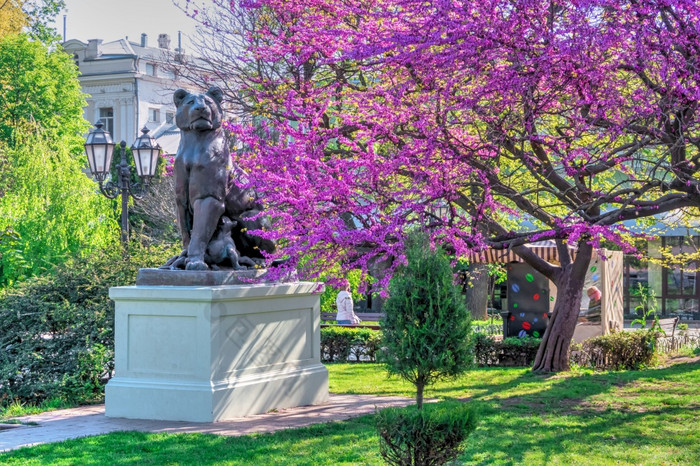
547	250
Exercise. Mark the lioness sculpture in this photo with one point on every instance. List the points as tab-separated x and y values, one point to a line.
213	213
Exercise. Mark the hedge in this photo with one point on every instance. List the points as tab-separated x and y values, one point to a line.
340	344
619	350
511	351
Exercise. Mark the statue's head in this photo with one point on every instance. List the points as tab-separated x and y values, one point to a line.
199	112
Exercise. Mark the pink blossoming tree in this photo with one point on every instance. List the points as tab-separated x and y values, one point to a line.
490	124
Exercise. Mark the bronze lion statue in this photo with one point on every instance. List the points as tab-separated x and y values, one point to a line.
214	215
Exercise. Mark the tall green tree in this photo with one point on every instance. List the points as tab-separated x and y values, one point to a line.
49	208
427	325
39	85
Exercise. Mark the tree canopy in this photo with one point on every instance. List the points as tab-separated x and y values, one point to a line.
32	16
494	123
12	18
38	85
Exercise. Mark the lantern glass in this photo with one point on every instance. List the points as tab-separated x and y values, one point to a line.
146	152
99	149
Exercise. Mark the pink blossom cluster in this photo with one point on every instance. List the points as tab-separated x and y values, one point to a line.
490	123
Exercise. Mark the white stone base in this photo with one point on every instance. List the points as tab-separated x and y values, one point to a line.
205	354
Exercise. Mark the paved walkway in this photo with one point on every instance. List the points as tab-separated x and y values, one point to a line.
56	426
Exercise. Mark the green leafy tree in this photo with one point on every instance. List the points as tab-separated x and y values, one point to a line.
39	86
426	331
40	15
49	209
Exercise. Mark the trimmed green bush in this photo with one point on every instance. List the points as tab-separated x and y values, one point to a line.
56	331
512	351
340	344
617	351
429	436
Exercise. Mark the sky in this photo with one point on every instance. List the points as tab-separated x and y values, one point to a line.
114	19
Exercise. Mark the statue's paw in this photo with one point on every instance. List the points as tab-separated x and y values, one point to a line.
179	263
246	261
174	263
196	265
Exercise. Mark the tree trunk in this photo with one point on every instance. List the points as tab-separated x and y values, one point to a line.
553	353
477	291
420	384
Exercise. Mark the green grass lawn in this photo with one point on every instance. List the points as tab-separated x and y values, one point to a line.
630	417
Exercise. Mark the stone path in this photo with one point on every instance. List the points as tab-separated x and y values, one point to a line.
56	426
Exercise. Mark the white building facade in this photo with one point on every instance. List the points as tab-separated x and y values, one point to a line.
130	85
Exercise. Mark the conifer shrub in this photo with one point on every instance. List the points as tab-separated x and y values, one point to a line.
426	332
425	338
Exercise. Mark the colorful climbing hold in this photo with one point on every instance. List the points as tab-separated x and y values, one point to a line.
512	317
515	304
535	334
522	334
526	325
536	297
515	287
594	268
529	277
522	314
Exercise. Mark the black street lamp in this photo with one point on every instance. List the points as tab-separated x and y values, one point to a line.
99	148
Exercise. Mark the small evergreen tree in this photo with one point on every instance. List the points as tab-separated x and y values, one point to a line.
427	325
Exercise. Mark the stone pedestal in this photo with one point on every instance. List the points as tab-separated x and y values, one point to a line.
203	354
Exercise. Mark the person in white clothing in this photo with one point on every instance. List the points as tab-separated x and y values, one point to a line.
344	303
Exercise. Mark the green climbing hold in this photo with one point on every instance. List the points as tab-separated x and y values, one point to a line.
529	277
594	268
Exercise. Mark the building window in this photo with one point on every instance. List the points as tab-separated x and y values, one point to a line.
169	117
153	115
76	59
107	118
678	285
675	287
150	69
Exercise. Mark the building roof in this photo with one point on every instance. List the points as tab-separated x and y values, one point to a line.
168	136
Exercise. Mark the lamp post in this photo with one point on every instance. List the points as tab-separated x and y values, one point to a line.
99	149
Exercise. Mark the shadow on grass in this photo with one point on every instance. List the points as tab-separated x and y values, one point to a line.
515	438
542	424
557	387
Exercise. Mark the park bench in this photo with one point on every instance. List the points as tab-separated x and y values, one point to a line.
365	316
368	316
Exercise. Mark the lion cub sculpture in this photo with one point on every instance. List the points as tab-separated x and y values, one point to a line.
213	213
